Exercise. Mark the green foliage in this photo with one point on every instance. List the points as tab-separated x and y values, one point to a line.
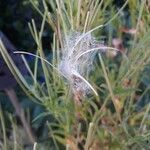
111	120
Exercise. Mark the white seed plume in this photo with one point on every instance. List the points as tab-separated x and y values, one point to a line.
77	59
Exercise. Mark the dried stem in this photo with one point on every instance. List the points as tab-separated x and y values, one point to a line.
14	100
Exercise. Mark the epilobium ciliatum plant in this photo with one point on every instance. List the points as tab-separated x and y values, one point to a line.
108	120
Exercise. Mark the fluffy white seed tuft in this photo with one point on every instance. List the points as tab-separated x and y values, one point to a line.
77	59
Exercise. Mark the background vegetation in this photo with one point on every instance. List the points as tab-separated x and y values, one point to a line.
116	119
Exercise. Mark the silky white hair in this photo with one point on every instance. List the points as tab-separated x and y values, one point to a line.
77	58
76	62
